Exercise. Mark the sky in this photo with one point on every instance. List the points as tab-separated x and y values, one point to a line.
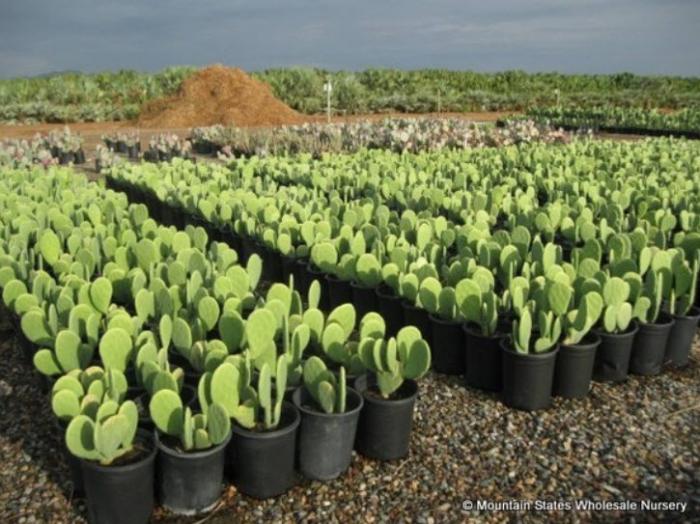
570	36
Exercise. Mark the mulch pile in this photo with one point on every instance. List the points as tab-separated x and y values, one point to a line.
219	95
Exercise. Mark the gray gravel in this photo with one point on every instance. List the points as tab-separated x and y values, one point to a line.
635	441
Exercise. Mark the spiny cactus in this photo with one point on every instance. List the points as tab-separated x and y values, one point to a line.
229	386
405	357
105	435
69	353
195	432
368	270
116	347
272	409
328	392
579	321
477	306
617	314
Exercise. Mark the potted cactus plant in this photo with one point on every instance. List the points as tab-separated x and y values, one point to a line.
191	452
655	325
616	331
528	362
117	461
574	367
390	394
482	354
684	312
447	337
260	457
329	415
413	314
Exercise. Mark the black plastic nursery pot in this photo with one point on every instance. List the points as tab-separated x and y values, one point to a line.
339	291
482	359
418	317
390	309
302	278
190	482
326	440
384	428
527	377
680	340
447	346
649	346
573	371
261	463
612	358
121	494
272	265
363	298
288	267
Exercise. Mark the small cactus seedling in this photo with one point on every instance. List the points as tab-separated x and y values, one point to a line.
328	392
405	357
195	431
230	386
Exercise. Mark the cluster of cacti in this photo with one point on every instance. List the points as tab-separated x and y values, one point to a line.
104	435
392	361
478	305
194	431
82	392
578	322
328	391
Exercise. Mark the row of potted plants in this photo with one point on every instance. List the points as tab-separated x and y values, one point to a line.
128	143
392	134
102	278
398	270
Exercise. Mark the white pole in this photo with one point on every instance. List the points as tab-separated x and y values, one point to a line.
328	88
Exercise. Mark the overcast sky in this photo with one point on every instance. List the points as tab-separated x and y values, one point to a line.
588	36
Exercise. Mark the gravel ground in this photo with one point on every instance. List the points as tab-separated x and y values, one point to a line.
635	442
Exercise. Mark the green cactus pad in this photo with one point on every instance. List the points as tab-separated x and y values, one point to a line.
167	412
115	349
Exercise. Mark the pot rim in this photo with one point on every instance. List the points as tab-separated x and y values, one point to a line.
506	343
150	457
582	345
443	321
467	328
358	285
631	331
385	291
659	324
193	455
296	398
275	433
385	401
690	314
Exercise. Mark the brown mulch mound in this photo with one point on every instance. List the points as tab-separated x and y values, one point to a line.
219	95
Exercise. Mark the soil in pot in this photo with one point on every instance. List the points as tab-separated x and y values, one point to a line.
649	346
527	377
189	482
573	371
390	309
326	440
612	358
122	493
261	463
363	298
339	292
418	317
384	428
482	359
447	346
680	340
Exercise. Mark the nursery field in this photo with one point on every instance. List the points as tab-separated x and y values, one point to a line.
411	320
